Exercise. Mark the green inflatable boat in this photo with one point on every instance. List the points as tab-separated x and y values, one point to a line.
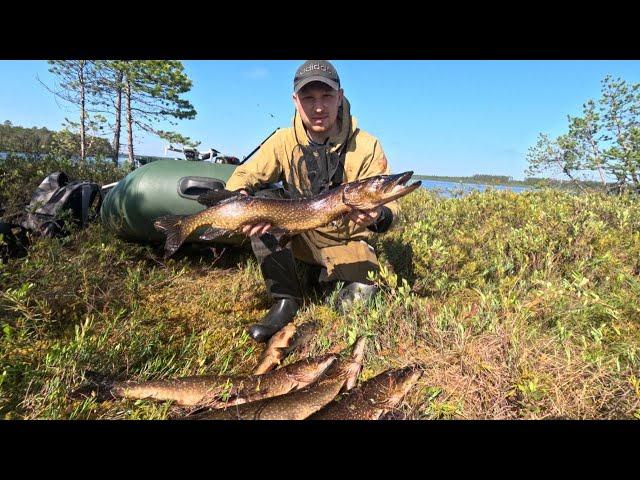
163	187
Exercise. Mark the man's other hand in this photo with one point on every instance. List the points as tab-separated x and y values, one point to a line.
364	218
257	228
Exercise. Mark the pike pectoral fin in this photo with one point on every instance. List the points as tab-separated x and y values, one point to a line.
216	196
212	233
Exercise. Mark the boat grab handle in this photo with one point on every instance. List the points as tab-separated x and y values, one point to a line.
193	187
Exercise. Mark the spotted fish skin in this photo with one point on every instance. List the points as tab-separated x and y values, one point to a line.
373	398
229	212
224	391
300	404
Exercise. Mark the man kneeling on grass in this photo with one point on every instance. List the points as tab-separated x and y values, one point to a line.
323	149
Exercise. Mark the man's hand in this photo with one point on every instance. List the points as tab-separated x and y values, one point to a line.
364	218
257	228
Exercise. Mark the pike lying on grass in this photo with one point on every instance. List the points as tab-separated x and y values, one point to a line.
373	398
229	212
298	405
219	391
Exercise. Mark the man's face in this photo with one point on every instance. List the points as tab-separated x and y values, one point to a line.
317	104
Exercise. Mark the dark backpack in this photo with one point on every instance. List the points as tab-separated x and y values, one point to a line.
56	200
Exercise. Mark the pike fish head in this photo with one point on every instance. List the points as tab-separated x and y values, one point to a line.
282	338
308	370
372	192
400	382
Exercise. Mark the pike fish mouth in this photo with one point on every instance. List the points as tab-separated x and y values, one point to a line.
396	187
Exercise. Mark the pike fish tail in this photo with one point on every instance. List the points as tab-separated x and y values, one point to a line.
173	227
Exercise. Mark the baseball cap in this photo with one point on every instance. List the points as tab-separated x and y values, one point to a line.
316	71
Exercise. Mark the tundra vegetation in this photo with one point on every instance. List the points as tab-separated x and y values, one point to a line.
519	306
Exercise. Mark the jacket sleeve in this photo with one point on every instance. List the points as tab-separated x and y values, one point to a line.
265	167
376	164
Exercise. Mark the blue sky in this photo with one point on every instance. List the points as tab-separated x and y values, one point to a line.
439	117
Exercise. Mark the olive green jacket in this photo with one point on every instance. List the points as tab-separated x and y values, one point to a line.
306	169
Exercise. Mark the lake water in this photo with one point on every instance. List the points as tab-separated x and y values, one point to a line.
450	189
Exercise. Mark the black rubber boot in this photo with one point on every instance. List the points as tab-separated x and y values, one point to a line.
352	293
281	313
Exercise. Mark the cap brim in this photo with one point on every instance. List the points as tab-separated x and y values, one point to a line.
308	80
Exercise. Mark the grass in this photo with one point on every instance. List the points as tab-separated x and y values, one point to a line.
518	305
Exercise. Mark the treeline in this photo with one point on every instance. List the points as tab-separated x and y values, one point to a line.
492	179
509	181
477	178
40	141
115	98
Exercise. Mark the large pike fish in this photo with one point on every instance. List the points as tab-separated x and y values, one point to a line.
218	391
300	404
373	398
229	212
285	341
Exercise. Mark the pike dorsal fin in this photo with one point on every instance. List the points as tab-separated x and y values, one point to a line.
216	196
